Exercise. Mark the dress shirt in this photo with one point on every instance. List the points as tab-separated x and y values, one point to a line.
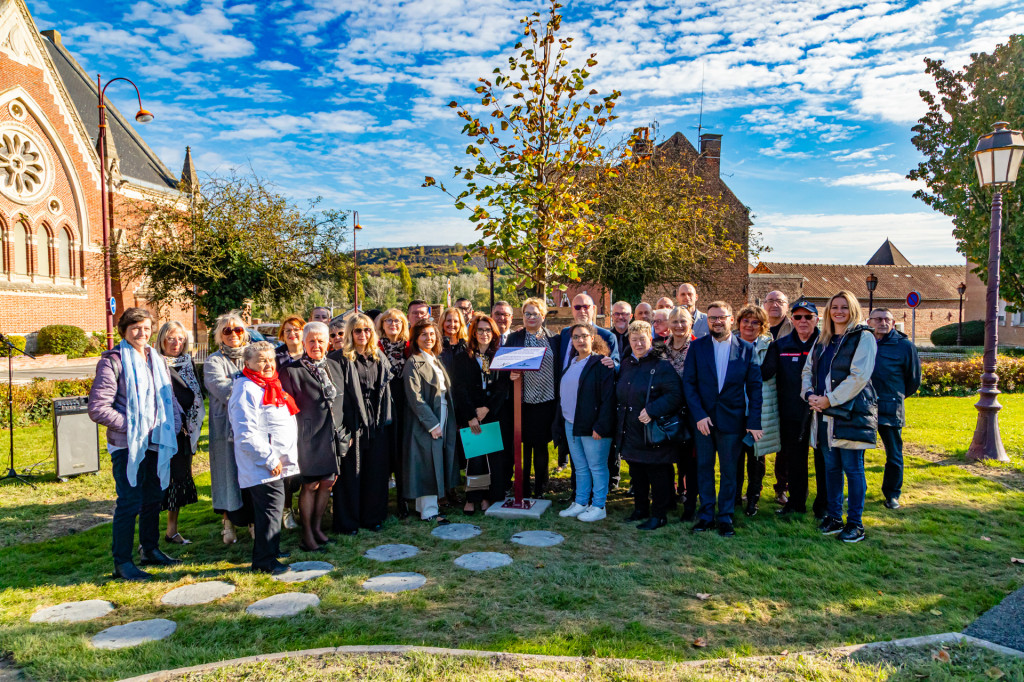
722	358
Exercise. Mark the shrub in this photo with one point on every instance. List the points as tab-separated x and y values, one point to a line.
18	342
964	377
58	339
974	334
32	403
94	346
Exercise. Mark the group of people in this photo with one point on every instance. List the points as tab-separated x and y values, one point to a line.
341	410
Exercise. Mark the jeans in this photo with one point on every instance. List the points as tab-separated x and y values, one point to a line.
840	462
141	500
268	507
590	462
729	447
892	479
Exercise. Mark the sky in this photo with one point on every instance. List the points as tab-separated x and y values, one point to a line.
347	99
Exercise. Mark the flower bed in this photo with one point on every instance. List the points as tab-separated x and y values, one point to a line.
964	377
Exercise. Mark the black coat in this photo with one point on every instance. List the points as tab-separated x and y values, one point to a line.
324	430
375	410
897	374
785	361
595	401
470	393
631	393
448	353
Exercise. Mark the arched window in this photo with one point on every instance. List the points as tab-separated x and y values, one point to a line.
20	249
43	252
63	253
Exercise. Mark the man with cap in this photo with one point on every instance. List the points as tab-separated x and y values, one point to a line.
785	361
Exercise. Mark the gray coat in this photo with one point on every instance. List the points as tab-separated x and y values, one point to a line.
219	374
770	441
429	466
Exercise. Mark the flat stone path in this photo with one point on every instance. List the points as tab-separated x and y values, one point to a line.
537	538
483	561
199	593
72	612
395	582
1003	623
134	634
301	571
456	531
282	605
391	552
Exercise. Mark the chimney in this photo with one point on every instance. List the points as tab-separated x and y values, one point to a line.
711	153
53	35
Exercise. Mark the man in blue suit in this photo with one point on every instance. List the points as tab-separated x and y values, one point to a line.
722	385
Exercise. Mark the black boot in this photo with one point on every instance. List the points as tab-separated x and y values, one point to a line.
155	557
653	523
129	571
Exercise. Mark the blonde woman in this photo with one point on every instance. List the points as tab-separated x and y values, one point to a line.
393	331
454	336
837	386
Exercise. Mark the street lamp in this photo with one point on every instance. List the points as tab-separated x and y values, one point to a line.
107	195
997	159
492	265
355	262
872	282
962	289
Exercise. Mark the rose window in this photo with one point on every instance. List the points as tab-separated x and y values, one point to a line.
23	173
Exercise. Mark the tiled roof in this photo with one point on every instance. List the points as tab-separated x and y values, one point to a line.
888	254
821	281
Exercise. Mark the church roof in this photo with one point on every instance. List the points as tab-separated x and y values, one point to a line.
888	254
138	162
823	280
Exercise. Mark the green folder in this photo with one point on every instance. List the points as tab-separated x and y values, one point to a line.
483	443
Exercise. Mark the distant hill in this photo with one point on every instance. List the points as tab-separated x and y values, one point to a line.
421	260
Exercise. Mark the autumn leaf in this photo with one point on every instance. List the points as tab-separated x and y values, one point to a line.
935	612
994	673
700	642
703	596
942	656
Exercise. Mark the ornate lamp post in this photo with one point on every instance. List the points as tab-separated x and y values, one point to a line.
355	262
872	282
492	265
107	195
962	289
997	159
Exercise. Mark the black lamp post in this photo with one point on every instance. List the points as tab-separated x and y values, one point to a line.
107	194
872	282
997	159
492	265
962	289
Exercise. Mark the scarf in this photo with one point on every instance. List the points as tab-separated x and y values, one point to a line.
193	418
150	411
319	372
273	393
234	355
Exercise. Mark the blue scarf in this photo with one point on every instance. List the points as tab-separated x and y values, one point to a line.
150	412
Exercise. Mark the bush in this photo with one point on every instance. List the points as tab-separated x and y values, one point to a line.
964	377
94	346
33	404
18	342
974	334
59	339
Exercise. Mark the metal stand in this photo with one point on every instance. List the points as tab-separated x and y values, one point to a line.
12	475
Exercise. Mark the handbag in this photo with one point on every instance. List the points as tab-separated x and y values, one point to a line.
479	481
666	430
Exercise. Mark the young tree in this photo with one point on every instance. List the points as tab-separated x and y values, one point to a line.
966	104
241	240
534	159
405	280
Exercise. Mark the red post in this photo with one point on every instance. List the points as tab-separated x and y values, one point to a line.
517	441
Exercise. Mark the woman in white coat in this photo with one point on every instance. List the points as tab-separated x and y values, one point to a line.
266	448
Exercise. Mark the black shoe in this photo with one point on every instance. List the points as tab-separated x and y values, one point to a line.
830	526
892	503
637	516
786	510
129	571
283	555
653	523
852	533
751	509
155	557
702	526
277	568
688	515
726	530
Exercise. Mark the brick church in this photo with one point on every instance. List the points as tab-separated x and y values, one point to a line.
51	237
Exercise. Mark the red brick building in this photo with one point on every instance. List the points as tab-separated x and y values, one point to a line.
51	239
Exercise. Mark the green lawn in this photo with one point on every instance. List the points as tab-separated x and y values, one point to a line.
945	425
607	591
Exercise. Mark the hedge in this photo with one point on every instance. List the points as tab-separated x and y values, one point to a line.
964	377
33	403
62	339
18	342
974	334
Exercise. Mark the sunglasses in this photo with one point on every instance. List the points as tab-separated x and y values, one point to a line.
803	317
233	330
585	306
337	335
362	330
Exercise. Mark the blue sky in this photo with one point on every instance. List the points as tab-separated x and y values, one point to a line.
346	99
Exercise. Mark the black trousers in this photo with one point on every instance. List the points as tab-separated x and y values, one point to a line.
655	480
361	497
535	457
395	432
268	508
141	500
892	479
795	438
538	423
756	467
728	447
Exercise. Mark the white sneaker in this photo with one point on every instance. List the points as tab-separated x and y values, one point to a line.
593	514
573	510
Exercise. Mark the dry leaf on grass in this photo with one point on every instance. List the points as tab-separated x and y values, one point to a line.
994	673
700	642
935	612
785	652
1015	560
942	656
703	596
986	539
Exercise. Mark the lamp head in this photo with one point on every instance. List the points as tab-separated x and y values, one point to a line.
872	282
998	155
961	289
144	116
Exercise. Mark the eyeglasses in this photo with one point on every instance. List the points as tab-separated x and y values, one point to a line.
392	321
621	314
580	337
362	330
716	318
803	317
751	322
585	306
338	335
484	330
526	314
228	331
884	320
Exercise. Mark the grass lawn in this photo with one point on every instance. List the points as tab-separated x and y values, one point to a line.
607	591
945	425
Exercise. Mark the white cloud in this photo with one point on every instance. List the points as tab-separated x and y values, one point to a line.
274	65
883	181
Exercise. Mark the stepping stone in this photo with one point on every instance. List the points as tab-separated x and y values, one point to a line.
395	582
281	605
537	538
72	612
199	593
391	552
301	571
482	561
134	634
456	531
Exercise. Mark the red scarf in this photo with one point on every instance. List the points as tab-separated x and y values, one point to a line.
273	392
